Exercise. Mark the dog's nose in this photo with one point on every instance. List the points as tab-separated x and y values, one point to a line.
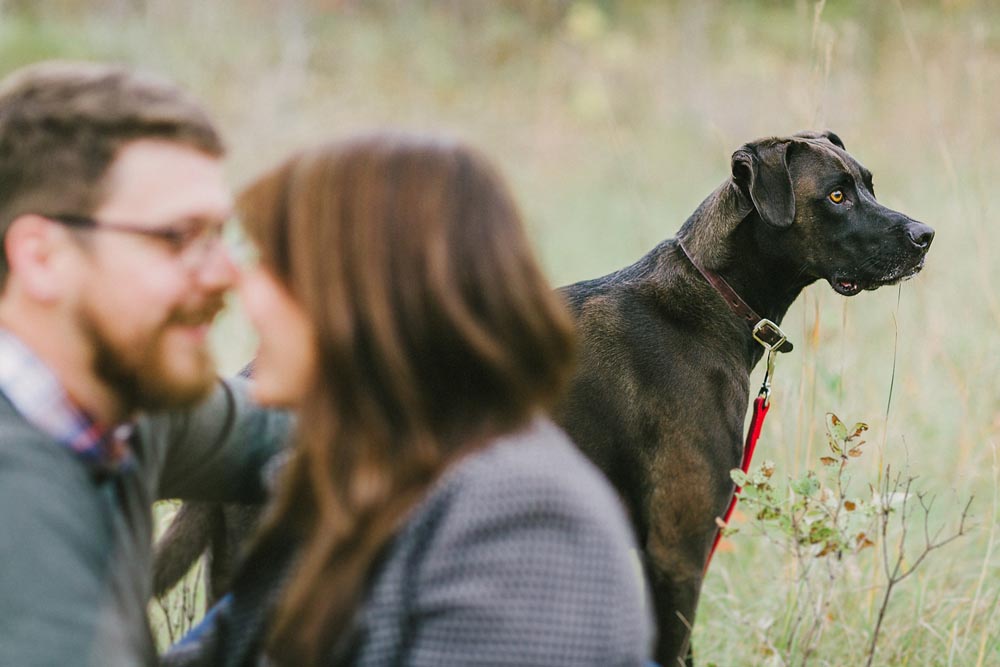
920	234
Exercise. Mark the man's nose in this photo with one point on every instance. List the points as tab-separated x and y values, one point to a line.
218	271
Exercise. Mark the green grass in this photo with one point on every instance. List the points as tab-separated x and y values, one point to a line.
613	120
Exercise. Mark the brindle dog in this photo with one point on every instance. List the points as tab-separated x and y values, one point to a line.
660	393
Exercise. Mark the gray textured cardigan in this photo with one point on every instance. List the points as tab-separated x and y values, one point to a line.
75	553
521	555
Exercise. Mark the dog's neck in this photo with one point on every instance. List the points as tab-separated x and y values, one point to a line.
721	236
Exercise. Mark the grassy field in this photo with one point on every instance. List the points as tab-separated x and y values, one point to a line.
613	120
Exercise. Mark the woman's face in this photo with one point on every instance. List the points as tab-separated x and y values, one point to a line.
286	358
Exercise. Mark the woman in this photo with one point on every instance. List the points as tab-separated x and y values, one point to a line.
437	517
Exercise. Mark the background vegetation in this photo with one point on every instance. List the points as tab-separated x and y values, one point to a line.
613	120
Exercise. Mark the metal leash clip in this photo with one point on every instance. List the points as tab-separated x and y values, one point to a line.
765	387
769	335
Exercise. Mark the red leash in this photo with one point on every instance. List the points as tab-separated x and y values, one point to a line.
768	334
773	343
760	407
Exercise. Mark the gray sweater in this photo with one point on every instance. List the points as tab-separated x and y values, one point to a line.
520	555
75	553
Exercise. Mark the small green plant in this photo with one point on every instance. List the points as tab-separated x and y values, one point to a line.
815	511
823	524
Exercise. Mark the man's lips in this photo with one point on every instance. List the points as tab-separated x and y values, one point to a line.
195	332
199	316
195	323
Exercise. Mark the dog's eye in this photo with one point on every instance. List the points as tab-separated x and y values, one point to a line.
836	197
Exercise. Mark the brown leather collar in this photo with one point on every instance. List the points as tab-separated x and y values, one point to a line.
764	331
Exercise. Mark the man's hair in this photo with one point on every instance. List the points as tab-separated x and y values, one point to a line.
62	124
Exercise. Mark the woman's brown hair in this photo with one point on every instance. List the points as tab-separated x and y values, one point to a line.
435	331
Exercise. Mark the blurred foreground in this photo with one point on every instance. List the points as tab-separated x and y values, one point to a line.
613	120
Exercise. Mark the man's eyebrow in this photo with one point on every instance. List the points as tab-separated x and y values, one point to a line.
198	221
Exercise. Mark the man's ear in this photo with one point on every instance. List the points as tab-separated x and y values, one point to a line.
34	247
761	171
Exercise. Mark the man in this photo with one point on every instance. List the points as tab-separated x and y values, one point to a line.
112	201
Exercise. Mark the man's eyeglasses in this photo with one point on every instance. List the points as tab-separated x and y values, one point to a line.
191	244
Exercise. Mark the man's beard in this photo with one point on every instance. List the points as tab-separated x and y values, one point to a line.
139	373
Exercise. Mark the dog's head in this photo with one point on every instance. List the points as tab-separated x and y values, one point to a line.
817	208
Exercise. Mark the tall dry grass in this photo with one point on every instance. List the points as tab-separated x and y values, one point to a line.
613	120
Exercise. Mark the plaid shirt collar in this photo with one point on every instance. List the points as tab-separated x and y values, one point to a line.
36	393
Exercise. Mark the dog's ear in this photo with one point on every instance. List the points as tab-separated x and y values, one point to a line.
761	171
834	139
825	134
